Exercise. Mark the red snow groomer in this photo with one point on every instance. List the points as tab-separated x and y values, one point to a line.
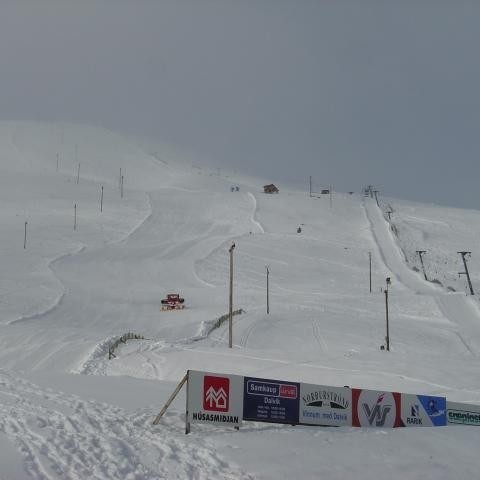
173	302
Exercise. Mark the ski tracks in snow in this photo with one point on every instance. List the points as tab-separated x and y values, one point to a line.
254	214
63	436
458	309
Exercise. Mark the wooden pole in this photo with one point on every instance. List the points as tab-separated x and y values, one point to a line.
268	303
101	201
230	309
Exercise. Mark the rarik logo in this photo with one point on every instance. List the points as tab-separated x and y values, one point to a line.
216	391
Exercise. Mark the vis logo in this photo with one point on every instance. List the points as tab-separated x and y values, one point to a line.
375	409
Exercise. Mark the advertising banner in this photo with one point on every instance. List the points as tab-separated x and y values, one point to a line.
323	405
214	398
463	414
375	409
423	411
270	400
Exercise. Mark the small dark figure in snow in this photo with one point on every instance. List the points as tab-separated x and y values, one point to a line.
299	230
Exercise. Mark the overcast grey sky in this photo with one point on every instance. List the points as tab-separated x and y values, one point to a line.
350	92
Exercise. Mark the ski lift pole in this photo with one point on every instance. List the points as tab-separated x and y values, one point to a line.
370	265
420	254
463	254
387	337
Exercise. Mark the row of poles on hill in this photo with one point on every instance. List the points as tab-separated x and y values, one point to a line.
121	181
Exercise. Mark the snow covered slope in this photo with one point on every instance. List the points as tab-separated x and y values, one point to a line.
67	411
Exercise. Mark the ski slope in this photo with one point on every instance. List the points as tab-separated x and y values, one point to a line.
67	411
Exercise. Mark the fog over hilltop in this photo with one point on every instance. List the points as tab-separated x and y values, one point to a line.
349	92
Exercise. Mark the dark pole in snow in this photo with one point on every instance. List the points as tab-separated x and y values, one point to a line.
370	265
25	237
121	187
75	217
463	254
387	338
230	310
101	201
420	254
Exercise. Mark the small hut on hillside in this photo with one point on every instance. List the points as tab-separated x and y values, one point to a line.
270	188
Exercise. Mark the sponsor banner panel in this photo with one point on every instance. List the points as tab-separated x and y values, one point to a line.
463	414
273	401
372	408
215	398
324	405
423	411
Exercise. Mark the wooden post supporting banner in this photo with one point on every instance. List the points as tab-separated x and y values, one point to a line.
170	400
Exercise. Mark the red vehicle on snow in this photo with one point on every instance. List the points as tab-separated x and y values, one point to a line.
173	302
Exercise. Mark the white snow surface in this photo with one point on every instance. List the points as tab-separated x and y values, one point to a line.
68	412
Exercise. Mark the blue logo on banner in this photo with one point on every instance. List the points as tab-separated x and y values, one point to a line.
271	400
436	408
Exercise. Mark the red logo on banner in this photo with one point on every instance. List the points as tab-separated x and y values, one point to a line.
216	391
288	391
